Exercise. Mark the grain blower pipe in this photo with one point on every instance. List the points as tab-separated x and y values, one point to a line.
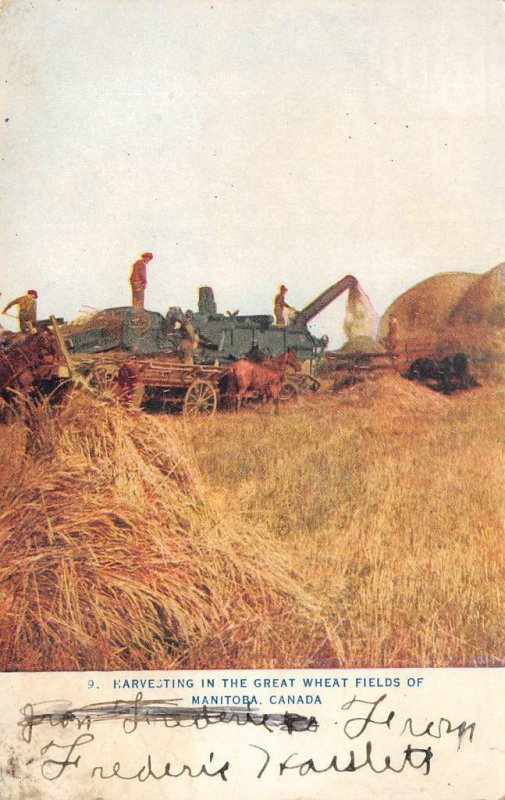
324	299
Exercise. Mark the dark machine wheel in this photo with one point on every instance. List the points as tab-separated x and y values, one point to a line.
288	391
201	398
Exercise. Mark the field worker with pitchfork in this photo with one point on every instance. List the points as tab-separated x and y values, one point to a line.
27	311
138	280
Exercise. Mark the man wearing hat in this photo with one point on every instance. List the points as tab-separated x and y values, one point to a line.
279	306
188	341
27	311
138	280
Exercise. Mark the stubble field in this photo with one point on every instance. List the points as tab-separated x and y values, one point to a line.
388	501
363	529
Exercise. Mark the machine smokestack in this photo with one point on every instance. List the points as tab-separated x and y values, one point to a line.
206	302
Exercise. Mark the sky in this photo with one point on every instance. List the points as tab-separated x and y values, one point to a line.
248	143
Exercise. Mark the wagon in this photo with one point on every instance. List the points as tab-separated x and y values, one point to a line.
157	381
197	389
342	369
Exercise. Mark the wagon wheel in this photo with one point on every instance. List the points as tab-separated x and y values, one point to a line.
288	391
201	398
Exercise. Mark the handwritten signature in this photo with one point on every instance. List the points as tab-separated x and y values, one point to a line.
361	720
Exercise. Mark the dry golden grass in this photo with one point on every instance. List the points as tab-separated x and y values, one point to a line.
359	529
388	500
110	559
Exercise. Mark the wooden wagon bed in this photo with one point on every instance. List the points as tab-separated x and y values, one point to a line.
162	379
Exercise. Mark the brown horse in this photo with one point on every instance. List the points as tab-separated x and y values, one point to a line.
263	379
25	361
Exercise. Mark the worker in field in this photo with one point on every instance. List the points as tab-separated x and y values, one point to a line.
138	279
392	337
188	338
128	382
27	311
281	307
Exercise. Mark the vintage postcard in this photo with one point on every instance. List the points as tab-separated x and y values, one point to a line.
252	362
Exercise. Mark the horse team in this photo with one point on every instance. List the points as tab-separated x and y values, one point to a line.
262	380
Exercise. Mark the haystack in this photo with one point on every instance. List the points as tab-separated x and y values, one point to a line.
456	311
478	322
110	556
483	302
424	309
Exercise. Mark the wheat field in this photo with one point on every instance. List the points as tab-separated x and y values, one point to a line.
363	528
388	501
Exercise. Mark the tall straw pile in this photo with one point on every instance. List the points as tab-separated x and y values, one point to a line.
425	308
109	556
457	311
478	322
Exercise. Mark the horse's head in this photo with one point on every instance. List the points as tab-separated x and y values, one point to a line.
292	360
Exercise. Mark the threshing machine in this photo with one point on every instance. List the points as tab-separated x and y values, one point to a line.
224	337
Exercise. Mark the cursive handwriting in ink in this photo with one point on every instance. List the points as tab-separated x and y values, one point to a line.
307	766
53	769
364	722
369	724
166	711
356	726
55	718
266	761
166	770
436	733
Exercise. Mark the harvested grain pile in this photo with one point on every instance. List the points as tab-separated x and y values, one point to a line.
425	308
391	395
109	557
457	311
484	301
478	322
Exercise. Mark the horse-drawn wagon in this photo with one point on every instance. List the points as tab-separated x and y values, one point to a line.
157	382
169	385
44	364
